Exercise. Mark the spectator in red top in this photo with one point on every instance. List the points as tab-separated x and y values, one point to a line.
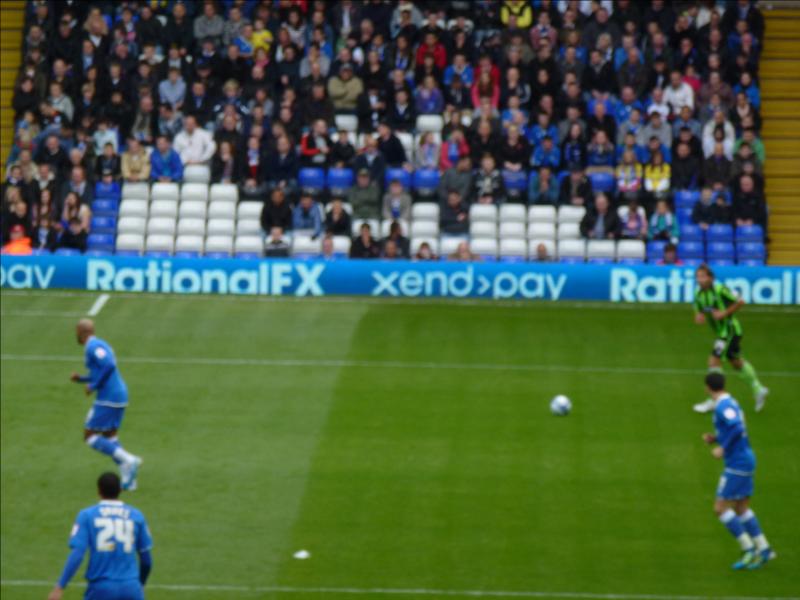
316	145
431	45
484	87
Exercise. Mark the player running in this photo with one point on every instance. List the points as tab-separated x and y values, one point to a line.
716	305
112	531
732	505
105	416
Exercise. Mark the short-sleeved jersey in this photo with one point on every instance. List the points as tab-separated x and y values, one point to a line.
113	533
104	376
718	297
732	436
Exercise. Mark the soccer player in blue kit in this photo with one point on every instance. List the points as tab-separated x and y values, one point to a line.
105	416
113	533
735	487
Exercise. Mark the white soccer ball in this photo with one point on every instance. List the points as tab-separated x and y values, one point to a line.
560	405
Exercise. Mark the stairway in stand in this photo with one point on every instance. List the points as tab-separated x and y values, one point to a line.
12	19
780	110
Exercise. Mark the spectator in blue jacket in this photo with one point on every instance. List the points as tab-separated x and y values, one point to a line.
750	89
307	217
546	155
165	163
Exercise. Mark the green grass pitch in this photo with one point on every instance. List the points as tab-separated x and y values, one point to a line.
407	446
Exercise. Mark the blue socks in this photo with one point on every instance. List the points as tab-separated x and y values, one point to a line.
750	524
105	445
735	526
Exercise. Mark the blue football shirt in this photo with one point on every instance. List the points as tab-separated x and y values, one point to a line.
104	376
732	436
114	533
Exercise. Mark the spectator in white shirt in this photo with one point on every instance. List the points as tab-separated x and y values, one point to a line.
194	144
658	104
679	93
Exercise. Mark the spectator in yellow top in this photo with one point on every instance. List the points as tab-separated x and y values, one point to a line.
657	176
520	10
262	37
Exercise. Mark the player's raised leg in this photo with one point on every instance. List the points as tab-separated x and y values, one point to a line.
747	372
714	366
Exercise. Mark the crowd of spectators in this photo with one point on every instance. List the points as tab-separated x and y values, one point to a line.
614	106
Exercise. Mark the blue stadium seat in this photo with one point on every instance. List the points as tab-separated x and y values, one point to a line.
597	260
655	250
721	251
602	182
39	251
693	262
512	259
104	225
101	241
312	180
689	250
110	192
751	251
632	261
99	253
749	233
218	254
720	233
572	260
686	198
516	182
692	233
105	208
67	252
248	255
426	182
340	180
401	175
127	253
158	254
562	175
752	262
185	254
721	262
684	215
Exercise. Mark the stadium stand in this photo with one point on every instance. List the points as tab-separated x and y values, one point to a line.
178	147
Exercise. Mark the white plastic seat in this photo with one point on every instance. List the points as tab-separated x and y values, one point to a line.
133	208
160	243
346	123
542	214
192	209
341	244
425	211
197	174
512	230
545	231
189	243
161	225
512	213
248	227
164	208
131	224
425	229
533	248
192	227
303	244
512	247
631	249
601	249
130	242
569	231
249	210
571	214
164	191
194	191
407	140
249	243
484	247
483	212
223	192
484	230
417	242
136	191
572	249
450	244
430	123
221	227
222	210
219	244
386	225
374	225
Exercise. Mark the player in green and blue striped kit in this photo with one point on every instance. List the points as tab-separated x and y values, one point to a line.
716	305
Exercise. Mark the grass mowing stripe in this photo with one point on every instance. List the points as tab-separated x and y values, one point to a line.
354	591
378	364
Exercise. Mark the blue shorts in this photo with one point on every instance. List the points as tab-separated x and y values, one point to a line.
104	418
733	486
114	590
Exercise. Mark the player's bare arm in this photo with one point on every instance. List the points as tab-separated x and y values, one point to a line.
724	314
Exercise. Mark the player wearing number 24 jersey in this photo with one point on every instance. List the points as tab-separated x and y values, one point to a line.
114	533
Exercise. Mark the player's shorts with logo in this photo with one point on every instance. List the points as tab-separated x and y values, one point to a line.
731	347
107	589
735	485
104	418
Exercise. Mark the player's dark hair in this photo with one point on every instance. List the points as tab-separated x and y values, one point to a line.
715	382
109	486
706	269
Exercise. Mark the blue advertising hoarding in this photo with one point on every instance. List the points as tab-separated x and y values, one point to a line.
543	281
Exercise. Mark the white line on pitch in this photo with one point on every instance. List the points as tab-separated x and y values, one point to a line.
378	364
98	305
280	589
